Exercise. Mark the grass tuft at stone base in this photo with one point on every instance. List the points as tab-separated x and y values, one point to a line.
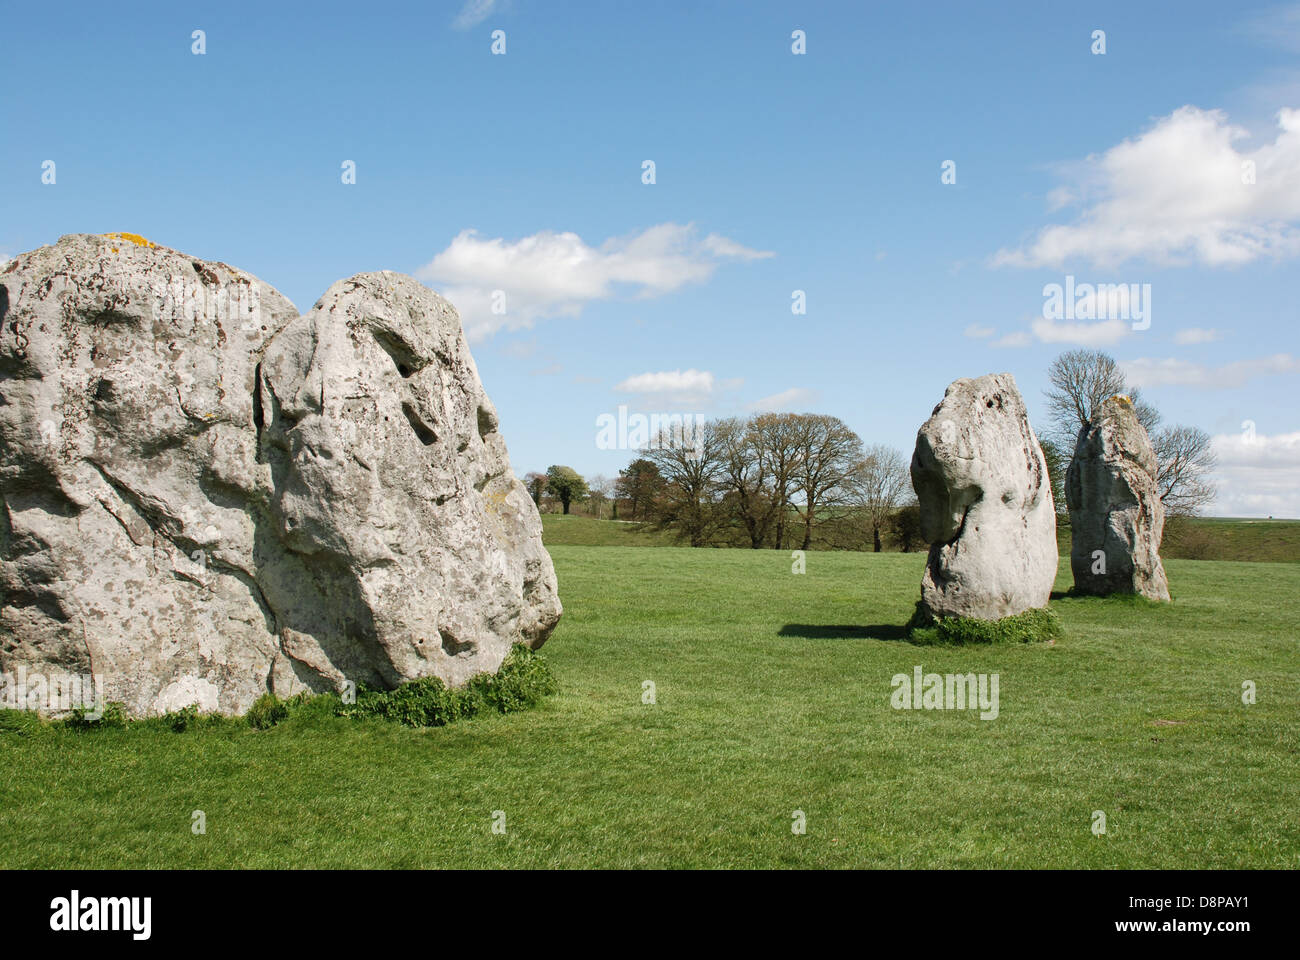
523	680
1033	626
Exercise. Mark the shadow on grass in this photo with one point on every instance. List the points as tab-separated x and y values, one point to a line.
1132	599
816	631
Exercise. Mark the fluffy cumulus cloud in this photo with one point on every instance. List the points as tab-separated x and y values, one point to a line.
496	283
1173	372
671	389
1185	191
1258	475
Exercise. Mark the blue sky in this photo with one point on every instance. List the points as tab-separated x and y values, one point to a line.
774	172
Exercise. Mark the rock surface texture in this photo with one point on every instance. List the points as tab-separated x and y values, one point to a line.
207	496
986	504
1116	516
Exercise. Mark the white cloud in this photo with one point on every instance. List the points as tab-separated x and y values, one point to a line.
979	333
1018	339
556	274
1197	335
795	397
676	388
726	249
1183	373
1082	333
1176	194
1258	476
473	13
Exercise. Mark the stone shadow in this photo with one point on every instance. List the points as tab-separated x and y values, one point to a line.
878	631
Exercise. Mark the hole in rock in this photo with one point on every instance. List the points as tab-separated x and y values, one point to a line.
452	647
422	429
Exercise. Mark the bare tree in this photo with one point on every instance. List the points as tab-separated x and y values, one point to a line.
881	479
692	472
745	476
827	455
777	439
1186	458
1080	381
600	491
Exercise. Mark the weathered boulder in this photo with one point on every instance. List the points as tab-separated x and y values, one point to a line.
1116	515
206	496
986	504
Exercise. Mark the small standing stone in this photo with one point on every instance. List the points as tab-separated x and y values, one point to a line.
1116	515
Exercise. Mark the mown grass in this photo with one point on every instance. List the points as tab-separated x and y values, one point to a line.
773	694
589	532
1196	538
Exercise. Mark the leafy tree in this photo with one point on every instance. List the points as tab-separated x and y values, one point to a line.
906	524
566	484
535	484
639	484
1057	462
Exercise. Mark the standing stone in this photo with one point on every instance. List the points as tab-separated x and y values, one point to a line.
205	496
986	504
1116	515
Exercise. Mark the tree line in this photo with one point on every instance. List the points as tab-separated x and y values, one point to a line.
772	480
807	481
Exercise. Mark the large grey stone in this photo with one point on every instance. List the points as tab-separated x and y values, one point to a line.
986	504
207	496
1116	516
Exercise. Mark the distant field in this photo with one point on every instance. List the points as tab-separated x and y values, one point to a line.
772	695
589	532
1261	541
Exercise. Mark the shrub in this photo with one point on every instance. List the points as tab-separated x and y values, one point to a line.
1038	625
182	719
524	678
266	711
113	716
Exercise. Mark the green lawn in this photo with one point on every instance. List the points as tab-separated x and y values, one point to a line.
773	695
589	532
1197	538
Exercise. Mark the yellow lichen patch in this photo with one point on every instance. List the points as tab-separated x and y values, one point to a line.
135	238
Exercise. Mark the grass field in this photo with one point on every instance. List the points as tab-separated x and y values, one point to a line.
773	694
1200	538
